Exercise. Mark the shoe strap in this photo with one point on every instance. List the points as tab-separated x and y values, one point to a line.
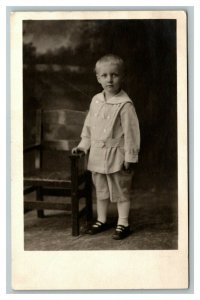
120	228
97	224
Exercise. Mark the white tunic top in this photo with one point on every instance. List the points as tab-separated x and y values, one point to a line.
111	132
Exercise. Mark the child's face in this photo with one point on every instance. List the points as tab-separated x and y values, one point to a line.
110	77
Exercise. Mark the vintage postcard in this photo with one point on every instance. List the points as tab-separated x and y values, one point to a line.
99	150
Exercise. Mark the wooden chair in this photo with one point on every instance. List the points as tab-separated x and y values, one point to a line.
56	171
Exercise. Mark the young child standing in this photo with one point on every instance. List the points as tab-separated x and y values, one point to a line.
111	133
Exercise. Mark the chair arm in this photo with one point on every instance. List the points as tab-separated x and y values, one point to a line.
32	147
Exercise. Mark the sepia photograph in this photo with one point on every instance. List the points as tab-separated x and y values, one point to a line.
100	115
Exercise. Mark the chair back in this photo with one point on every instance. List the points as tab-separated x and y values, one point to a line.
58	131
61	128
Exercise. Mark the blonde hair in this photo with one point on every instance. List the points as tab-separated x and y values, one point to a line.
110	58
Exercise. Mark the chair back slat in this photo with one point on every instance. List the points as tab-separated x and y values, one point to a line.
61	128
60	145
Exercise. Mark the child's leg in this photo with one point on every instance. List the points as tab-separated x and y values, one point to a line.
102	208
102	193
120	186
123	212
123	228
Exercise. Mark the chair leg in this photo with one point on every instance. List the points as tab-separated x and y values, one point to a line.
88	191
39	197
75	214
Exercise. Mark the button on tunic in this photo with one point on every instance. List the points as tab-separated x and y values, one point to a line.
111	132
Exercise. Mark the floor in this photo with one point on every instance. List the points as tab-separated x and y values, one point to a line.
153	219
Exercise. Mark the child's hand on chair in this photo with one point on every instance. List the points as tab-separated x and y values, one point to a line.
77	150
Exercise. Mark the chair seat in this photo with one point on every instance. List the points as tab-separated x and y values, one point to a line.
46	177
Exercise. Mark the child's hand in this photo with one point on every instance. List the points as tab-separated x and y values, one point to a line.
77	150
127	166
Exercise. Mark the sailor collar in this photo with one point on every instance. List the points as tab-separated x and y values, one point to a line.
119	98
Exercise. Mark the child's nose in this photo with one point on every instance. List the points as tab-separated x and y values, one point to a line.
110	78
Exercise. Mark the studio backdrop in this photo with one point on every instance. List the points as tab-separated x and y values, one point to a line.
58	72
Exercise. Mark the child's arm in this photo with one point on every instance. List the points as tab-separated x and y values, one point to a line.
130	126
85	142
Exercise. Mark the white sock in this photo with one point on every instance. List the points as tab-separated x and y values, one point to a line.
123	212
102	208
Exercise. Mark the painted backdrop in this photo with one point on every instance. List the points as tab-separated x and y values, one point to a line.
58	61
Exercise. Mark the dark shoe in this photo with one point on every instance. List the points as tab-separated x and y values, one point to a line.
97	227
121	232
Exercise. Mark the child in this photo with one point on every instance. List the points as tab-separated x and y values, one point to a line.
111	133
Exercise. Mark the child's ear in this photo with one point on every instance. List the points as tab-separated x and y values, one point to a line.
98	78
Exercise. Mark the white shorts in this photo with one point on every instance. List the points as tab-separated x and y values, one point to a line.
115	186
